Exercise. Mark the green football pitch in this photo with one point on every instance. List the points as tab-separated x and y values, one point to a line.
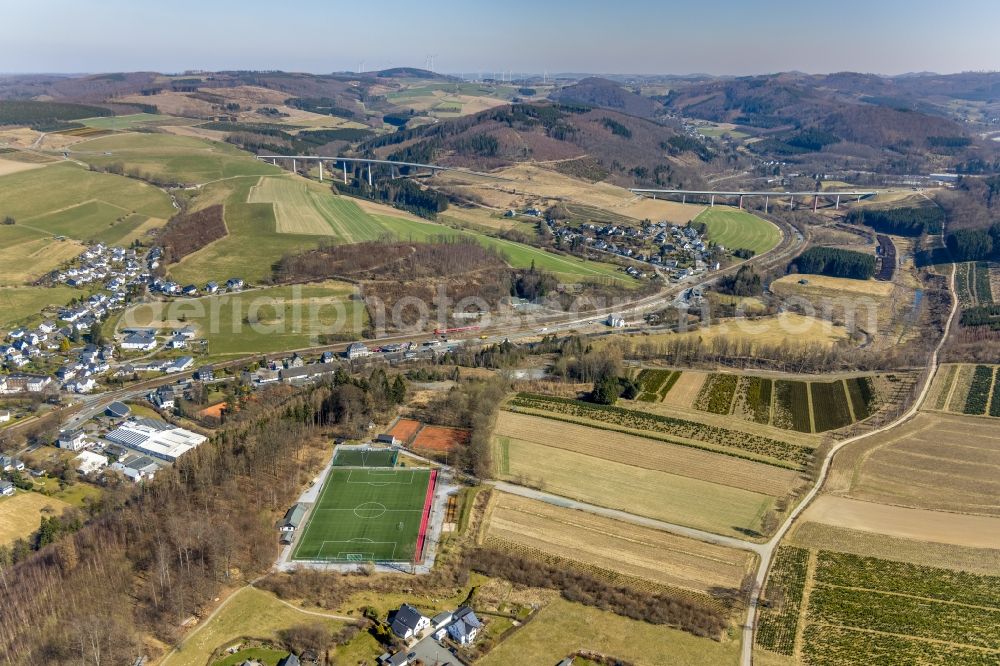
365	458
365	515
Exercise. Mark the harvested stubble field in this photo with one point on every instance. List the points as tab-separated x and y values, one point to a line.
935	461
440	438
898	549
686	389
738	443
616	546
908	523
647	453
651	493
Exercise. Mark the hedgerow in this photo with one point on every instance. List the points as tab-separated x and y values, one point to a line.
756	445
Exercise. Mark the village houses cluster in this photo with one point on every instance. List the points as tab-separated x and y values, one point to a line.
682	251
54	354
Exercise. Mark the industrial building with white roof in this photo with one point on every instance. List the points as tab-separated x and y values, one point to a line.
156	438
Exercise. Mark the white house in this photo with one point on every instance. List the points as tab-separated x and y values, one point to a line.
4	416
466	626
616	321
139	342
37	384
73	440
409	622
180	365
357	350
6	488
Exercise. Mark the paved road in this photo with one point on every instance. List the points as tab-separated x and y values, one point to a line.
681	530
768	549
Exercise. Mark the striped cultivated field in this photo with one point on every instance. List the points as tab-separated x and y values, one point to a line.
735	229
614	546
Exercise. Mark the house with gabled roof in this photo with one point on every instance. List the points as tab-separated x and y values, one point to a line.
464	629
408	622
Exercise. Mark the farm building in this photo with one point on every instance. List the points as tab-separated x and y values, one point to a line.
156	438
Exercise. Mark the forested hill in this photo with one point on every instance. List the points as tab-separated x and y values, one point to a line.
799	114
605	94
595	144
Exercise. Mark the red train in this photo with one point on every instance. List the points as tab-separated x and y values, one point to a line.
446	331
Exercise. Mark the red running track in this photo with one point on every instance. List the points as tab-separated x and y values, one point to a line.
428	503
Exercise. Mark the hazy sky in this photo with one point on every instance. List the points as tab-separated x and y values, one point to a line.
607	36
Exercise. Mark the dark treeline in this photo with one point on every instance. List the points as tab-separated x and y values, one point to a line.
401	193
652	607
975	244
390	259
982	315
835	263
900	221
189	232
163	550
46	116
744	282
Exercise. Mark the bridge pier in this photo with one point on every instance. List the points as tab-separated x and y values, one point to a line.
815	203
684	198
345	172
369	174
274	161
294	169
791	203
837	205
321	171
713	201
766	198
741	202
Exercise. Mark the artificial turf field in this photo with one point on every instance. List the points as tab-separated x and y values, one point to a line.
365	515
365	458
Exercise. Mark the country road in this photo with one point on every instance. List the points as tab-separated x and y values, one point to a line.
767	551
